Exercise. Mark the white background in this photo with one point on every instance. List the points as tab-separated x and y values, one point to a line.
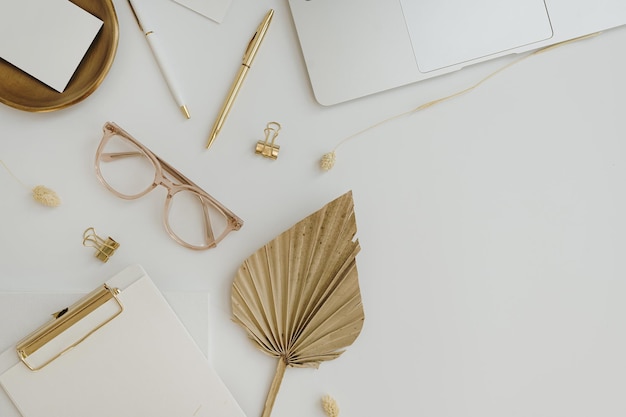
493	226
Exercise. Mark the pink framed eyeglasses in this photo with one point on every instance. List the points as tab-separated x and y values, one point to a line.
192	217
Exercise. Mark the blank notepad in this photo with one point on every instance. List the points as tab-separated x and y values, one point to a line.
46	38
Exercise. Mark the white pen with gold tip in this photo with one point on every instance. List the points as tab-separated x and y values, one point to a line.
153	42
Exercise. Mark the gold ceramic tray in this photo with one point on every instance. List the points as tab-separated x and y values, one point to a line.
20	90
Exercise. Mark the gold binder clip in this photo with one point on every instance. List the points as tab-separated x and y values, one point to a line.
268	148
104	248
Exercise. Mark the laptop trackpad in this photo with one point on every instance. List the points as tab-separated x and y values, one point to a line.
450	32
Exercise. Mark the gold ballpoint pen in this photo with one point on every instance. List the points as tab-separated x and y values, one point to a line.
248	57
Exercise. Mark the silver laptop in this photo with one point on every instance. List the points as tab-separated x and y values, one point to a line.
354	48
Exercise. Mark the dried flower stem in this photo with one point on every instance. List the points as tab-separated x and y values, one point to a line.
327	162
41	194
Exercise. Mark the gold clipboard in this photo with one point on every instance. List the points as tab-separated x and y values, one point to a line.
63	320
23	92
142	350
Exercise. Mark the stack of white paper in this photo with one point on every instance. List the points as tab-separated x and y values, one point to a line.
22	312
141	363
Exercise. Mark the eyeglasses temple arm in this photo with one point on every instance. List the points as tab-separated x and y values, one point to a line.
112	156
236	221
209	236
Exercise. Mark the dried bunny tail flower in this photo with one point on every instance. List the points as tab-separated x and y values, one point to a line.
46	196
328	161
41	194
330	406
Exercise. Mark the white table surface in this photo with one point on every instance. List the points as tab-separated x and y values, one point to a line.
493	226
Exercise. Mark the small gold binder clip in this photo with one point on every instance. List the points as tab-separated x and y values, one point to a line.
104	248
268	148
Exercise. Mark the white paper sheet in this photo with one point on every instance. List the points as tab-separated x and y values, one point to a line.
213	9
46	38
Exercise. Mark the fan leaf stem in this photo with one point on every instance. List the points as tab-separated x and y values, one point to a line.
273	392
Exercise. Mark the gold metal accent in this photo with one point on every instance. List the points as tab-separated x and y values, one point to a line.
23	92
257	38
65	319
248	57
266	148
185	111
104	248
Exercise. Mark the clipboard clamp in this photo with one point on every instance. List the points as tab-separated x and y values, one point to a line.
65	319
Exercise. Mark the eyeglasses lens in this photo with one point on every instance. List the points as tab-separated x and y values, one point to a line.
194	219
125	167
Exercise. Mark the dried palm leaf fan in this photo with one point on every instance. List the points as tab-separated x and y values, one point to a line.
298	296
